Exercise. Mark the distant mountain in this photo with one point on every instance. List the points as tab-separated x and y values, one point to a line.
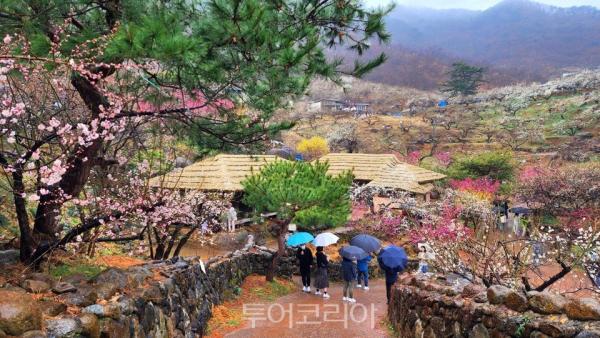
515	34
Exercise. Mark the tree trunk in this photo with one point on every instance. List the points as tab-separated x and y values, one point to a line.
78	171
282	231
183	240
26	241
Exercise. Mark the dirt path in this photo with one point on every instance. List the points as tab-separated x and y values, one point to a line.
306	315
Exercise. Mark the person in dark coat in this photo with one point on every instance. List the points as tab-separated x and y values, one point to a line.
305	260
321	278
349	275
391	276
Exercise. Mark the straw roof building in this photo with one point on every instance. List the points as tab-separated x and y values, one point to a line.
219	173
226	172
383	170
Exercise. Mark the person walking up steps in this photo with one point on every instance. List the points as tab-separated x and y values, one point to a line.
349	275
321	277
305	260
363	272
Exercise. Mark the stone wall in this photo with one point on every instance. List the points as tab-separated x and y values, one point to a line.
427	308
170	298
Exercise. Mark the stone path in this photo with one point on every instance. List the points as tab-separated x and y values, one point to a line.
306	315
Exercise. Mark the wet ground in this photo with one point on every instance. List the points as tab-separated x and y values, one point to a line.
306	315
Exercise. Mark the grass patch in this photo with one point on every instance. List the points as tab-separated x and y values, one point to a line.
272	290
65	270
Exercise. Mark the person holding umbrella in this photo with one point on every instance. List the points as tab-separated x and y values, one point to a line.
369	244
363	272
349	274
350	255
304	255
305	260
321	276
392	260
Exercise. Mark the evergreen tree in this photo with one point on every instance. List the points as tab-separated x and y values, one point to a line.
298	192
464	79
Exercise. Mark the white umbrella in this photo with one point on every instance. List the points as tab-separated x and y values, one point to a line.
325	239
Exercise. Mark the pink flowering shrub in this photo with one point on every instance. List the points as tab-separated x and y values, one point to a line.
443	158
414	157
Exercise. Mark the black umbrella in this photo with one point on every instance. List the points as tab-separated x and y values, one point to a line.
366	242
520	210
353	253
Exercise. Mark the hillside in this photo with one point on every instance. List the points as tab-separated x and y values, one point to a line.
561	117
518	40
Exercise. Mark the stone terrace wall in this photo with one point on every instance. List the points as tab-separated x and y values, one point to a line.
170	298
428	309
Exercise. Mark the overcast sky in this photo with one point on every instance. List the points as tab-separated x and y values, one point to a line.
477	4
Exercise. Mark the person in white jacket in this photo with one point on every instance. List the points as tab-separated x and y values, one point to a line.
231	219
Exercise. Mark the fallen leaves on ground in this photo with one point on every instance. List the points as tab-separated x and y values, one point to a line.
228	316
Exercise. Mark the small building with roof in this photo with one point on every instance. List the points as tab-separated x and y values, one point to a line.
222	172
384	170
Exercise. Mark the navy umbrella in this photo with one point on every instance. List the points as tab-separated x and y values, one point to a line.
394	257
366	242
353	252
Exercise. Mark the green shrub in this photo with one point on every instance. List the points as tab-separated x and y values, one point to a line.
497	165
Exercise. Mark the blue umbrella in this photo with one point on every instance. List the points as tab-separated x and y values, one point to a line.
366	242
299	238
394	257
353	252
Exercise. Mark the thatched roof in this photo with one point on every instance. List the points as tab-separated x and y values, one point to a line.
219	173
384	170
365	167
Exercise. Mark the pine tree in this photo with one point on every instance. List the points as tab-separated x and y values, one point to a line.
298	192
464	79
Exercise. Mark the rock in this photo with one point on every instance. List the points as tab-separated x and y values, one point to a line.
102	311
479	331
472	290
13	288
588	334
35	286
546	302
63	328
83	297
106	290
551	329
516	301
538	334
9	256
115	276
19	313
34	334
62	287
583	309
89	325
52	308
481	298
41	277
496	294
